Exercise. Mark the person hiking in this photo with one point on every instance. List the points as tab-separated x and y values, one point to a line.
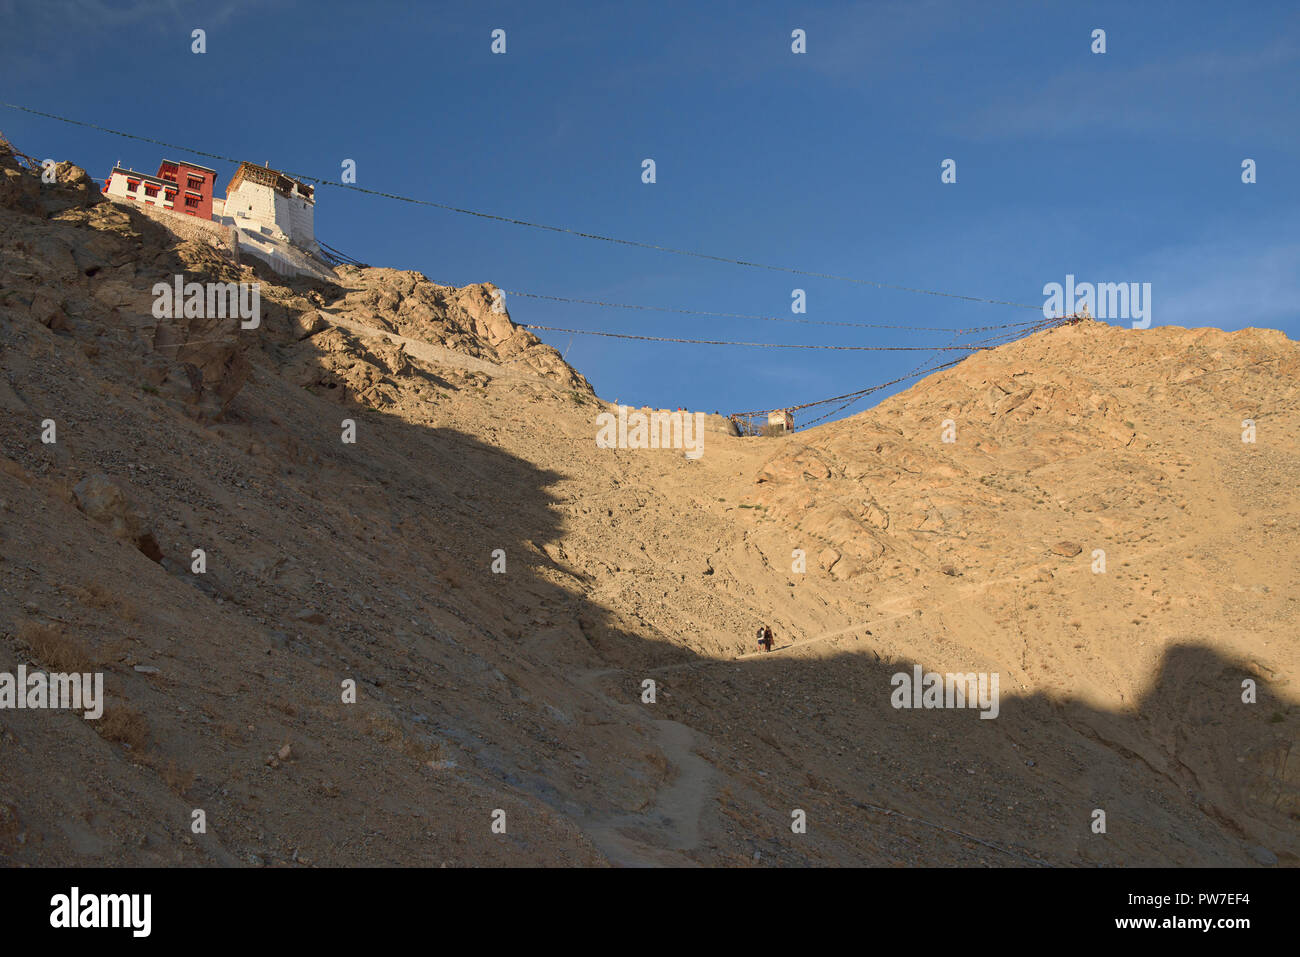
765	639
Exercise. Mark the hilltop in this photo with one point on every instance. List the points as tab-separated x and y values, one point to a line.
476	691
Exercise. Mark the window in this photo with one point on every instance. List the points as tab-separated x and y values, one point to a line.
191	202
131	185
195	182
151	190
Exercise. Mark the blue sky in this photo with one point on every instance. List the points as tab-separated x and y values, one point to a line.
1118	167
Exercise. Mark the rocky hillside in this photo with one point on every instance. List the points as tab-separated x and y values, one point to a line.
523	690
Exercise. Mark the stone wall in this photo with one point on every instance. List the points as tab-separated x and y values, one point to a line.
280	255
189	227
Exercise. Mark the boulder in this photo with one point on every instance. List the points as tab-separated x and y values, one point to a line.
105	501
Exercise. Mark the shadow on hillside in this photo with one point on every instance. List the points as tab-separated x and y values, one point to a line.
1189	775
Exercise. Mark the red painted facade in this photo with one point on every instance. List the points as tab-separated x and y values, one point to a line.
195	186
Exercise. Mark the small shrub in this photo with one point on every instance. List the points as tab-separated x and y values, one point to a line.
57	652
125	725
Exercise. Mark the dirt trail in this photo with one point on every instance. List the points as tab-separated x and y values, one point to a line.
658	836
966	592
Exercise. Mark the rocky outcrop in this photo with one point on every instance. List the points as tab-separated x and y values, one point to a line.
472	320
107	502
23	187
20	186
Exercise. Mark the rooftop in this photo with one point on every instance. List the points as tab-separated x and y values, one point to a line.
206	169
265	176
145	177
